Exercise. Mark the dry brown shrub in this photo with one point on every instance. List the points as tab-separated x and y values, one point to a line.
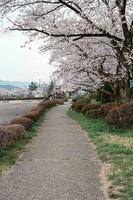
121	116
47	104
18	130
52	103
39	109
88	107
27	123
34	115
105	108
44	104
78	106
92	114
6	137
113	117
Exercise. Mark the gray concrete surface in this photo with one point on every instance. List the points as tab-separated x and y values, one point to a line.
12	109
59	164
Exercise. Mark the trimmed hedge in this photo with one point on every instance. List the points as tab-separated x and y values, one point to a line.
93	113
88	107
5	137
105	108
44	104
27	123
39	109
78	106
100	110
33	115
18	131
116	115
49	104
121	116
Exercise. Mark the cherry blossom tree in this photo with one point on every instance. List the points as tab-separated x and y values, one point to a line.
101	31
80	63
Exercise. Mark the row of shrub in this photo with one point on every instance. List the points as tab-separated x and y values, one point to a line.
116	115
17	127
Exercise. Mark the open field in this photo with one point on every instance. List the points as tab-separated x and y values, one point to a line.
11	109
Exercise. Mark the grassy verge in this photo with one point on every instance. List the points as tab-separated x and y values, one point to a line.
115	148
10	154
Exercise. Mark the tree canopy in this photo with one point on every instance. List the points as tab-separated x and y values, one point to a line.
91	42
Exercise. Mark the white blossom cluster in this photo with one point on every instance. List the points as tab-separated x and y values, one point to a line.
91	41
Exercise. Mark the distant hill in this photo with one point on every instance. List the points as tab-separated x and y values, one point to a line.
15	84
8	87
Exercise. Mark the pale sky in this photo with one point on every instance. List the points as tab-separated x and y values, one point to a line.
22	64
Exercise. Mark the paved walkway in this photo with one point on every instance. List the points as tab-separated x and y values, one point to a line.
60	164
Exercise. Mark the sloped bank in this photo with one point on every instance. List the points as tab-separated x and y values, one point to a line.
15	135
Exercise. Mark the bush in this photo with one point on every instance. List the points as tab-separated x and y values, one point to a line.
27	123
74	99
121	116
80	102
17	130
39	109
33	115
93	113
52	103
44	104
77	106
47	104
105	108
88	107
5	137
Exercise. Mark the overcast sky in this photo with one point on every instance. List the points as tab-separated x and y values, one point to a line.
22	64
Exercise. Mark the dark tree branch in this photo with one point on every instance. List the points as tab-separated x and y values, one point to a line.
50	11
122	9
76	36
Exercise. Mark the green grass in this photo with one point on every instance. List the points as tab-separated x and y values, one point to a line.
10	154
115	148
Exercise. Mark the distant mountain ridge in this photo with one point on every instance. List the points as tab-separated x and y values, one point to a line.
13	84
8	87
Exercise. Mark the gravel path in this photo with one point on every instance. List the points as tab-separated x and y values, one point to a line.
59	164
